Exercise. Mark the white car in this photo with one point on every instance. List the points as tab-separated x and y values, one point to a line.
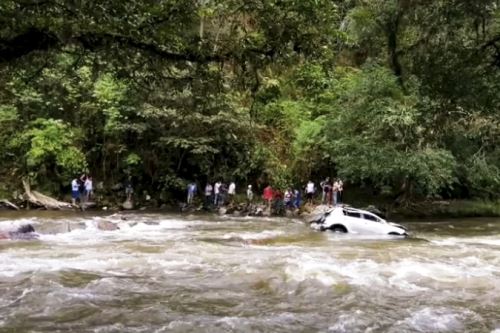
356	221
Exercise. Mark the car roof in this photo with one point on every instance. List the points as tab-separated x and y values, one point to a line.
355	210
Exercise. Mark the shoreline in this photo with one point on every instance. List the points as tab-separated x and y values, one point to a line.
417	210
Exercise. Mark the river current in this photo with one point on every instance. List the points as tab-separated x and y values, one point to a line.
173	273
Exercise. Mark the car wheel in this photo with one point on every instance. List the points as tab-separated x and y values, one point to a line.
339	228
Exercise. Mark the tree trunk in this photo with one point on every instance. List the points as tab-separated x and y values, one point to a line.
42	200
392	45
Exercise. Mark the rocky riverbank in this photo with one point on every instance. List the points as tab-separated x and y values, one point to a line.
424	209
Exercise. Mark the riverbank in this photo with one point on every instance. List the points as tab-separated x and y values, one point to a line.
427	209
116	201
452	208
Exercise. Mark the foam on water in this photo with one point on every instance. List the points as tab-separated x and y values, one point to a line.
10	225
436	319
404	274
184	275
454	241
266	234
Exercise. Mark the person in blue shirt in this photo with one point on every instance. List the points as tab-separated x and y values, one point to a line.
297	200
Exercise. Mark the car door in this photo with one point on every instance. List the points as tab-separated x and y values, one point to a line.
374	224
354	222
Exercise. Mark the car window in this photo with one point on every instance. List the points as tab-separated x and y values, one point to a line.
370	218
353	214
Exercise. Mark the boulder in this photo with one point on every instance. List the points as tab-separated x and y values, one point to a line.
265	212
315	213
88	204
107	226
230	209
128	204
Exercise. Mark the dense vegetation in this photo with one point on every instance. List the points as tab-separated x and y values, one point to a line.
397	97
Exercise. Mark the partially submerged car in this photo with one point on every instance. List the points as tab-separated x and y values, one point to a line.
351	220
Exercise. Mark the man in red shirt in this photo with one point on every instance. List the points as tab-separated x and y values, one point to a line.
268	195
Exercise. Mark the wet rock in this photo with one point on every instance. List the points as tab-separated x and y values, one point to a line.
258	211
88	204
107	226
230	209
222	211
312	214
128	204
266	212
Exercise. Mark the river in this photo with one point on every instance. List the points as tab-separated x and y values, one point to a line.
172	273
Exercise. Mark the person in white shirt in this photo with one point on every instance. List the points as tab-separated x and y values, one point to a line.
75	191
231	191
335	191
310	189
88	188
340	190
217	192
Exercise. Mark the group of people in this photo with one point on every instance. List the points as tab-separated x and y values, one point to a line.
331	192
289	199
81	189
216	195
220	193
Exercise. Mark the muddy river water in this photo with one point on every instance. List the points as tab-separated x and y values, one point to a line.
173	273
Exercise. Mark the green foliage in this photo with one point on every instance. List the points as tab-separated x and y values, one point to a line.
483	177
50	142
399	97
376	136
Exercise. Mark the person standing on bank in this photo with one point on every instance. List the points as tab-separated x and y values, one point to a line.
208	194
249	194
310	189
191	192
88	188
129	190
268	196
335	191
325	188
296	198
81	187
340	191
217	193
75	190
231	192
